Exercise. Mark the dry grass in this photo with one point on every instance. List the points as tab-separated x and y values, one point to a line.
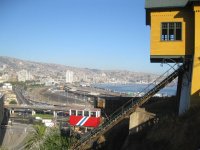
176	133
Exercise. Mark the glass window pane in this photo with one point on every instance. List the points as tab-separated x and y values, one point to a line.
171	25
73	112
93	114
164	35
164	25
86	113
80	113
178	34
178	25
171	34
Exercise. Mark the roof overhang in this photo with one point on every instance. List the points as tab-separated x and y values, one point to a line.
154	5
151	4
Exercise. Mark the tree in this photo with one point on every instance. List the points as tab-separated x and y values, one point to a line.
13	102
56	141
36	138
43	138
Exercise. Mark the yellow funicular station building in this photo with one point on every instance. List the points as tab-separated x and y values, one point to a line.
175	37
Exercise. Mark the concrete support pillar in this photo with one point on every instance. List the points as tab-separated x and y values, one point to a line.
184	87
12	111
54	114
6	114
33	112
138	120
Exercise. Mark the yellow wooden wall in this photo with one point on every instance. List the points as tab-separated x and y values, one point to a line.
166	48
195	89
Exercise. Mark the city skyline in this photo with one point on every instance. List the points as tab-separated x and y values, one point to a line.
106	35
12	69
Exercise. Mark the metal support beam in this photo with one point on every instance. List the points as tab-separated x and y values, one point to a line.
55	114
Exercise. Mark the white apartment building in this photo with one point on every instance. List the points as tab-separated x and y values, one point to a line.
69	76
2	68
24	75
7	86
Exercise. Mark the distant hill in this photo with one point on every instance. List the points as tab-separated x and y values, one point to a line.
14	65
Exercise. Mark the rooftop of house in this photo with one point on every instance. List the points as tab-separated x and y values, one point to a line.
149	4
159	4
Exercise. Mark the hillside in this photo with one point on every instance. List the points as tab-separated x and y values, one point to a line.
171	133
11	66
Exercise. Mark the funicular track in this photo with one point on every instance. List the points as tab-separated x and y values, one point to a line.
128	108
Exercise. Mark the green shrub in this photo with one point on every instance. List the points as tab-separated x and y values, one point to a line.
13	102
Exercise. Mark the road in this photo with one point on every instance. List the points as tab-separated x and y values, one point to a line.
46	107
20	97
25	103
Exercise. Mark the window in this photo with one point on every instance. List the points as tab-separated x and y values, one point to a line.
171	31
80	113
93	114
86	113
73	112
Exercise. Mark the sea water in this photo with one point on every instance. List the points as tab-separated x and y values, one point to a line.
136	88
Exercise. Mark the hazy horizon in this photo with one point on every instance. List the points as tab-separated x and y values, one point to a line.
33	61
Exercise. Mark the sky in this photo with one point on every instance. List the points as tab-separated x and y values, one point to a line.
97	34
